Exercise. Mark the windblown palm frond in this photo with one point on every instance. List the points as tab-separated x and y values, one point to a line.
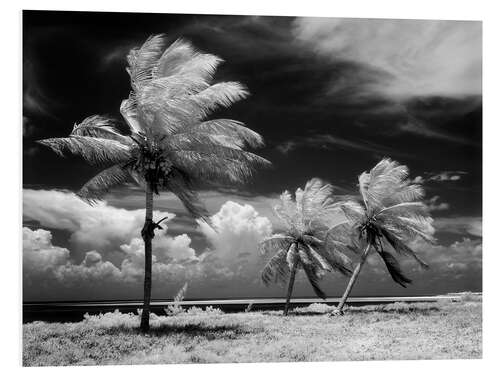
182	186
307	242
95	189
99	127
93	150
276	270
392	214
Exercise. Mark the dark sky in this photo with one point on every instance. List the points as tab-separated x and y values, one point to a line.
331	97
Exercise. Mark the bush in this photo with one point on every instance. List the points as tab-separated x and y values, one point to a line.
314	308
471	297
113	319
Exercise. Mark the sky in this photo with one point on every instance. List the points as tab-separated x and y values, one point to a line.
330	96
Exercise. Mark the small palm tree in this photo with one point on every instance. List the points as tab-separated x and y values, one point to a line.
170	144
315	238
391	216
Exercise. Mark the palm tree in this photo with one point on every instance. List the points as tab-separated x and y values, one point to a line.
170	144
315	238
390	216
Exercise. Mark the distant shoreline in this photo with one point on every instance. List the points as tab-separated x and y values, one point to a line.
74	311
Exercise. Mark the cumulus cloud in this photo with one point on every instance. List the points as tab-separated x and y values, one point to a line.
406	58
39	255
231	251
465	254
236	232
44	262
102	226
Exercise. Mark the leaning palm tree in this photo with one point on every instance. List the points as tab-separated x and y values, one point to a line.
170	144
315	239
390	216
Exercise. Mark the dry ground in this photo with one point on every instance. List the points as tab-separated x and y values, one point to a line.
448	330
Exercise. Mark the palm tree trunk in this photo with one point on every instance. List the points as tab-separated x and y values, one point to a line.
353	279
147	235
290	286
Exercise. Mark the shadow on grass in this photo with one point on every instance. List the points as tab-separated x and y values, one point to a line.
405	309
425	311
226	331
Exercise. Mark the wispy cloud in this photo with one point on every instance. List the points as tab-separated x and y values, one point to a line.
461	225
328	141
413	57
435	204
443	176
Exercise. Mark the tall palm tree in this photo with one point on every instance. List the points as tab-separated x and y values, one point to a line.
170	143
390	216
315	238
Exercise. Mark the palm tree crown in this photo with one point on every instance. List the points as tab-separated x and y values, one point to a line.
170	144
315	238
391	215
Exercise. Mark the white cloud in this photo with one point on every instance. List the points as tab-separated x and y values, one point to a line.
100	227
42	261
237	229
462	225
232	251
434	204
413	57
39	255
460	255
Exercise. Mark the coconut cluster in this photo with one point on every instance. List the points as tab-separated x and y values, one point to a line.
154	167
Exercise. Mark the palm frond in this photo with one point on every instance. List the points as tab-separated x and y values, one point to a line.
334	257
220	95
95	189
99	127
318	206
353	211
199	140
275	243
230	128
219	166
172	87
181	184
401	247
182	58
314	276
177	54
385	185
323	262
409	226
276	270
304	256
129	113
93	150
405	207
394	268
286	210
142	62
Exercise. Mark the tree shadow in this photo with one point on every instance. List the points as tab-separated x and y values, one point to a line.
406	310
209	332
423	310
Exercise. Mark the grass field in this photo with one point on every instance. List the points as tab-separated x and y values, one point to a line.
447	330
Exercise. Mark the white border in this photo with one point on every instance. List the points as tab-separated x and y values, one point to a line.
11	71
